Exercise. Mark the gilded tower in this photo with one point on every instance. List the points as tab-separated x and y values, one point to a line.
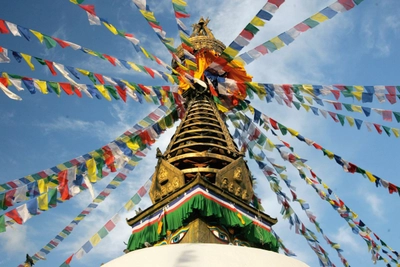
202	187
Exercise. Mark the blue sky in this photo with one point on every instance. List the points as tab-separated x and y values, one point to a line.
358	47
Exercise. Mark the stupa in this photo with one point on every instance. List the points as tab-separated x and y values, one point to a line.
204	209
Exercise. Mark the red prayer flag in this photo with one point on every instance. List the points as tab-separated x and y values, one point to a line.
302	27
110	58
13	214
63	184
276	2
181	15
317	146
262	49
247	35
337	105
62	43
392	188
77	92
50	66
121	92
68	261
88	8
150	71
333	115
378	128
142	191
3	27
336	93
273	124
348	4
99	77
67	88
313	174
109	225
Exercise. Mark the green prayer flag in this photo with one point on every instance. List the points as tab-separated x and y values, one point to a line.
50	43
348	107
296	104
136	199
99	166
282	128
251	28
311	23
341	118
358	1
299	97
2	223
91	77
55	87
40	60
103	232
397	115
52	193
112	91
387	130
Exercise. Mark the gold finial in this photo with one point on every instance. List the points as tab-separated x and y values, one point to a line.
201	29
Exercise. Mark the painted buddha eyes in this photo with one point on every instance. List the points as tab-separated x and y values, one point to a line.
176	238
241	243
219	233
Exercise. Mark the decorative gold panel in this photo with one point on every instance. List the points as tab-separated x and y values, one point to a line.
166	179
236	179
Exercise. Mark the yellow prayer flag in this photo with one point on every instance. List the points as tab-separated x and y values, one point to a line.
350	120
269	145
256	21
132	146
43	202
170	79
329	154
355	215
251	109
148	98
293	132
148	15
74	1
28	58
91	170
370	176
283	176
111	28
95	239
325	186
309	99
277	42
30	178
359	88
222	108
162	124
145	52
38	35
129	205
61	167
319	17
231	52
134	67
103	91
42	185
306	107
84	72
42	86
179	2
356	108
395	131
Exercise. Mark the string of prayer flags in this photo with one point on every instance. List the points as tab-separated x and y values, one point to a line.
340	118
180	12
346	165
51	42
63	234
125	145
248	138
144	9
290	35
252	28
110	224
95	20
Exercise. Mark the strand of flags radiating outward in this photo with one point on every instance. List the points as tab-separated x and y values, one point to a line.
257	140
43	190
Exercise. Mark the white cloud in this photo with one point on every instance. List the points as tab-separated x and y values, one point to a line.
375	203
